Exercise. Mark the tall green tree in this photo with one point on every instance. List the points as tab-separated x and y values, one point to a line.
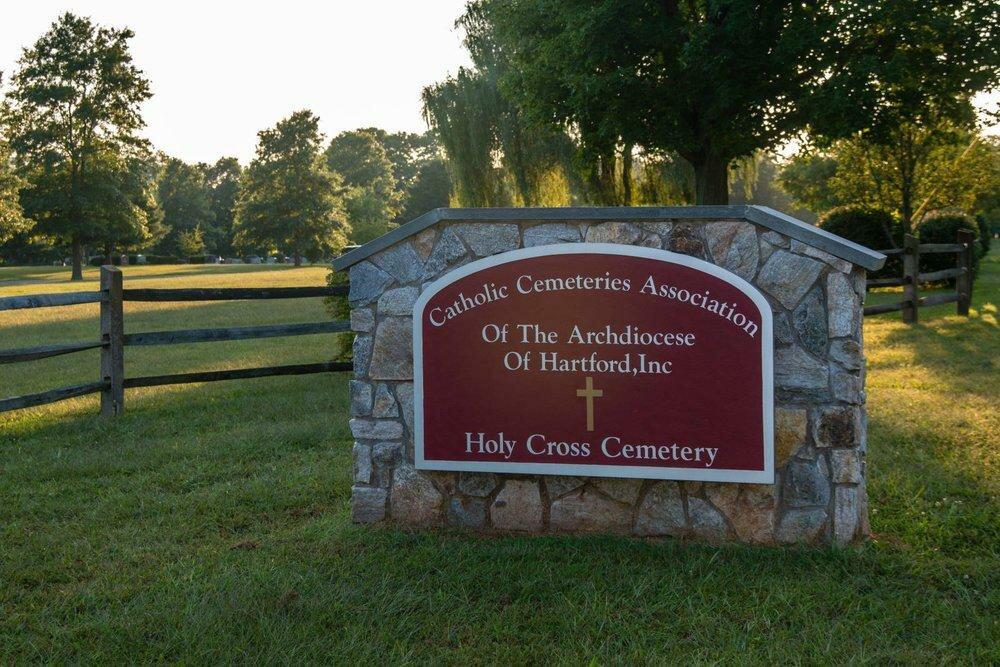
12	220
372	200
75	96
717	80
223	181
186	201
289	197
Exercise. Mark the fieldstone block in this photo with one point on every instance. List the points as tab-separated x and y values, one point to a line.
560	485
843	305
367	283
478	484
392	353
367	504
466	513
685	240
518	506
845	514
650	241
782	329
845	466
706	521
448	251
775	239
789	433
847	388
734	247
661	511
400	261
806	483
753	515
489	238
837	427
398	301
414	498
809	319
404	394
613	232
788	277
387	453
662	228
587	511
549	234
362	320
423	243
362	355
847	353
796	371
371	429
801	526
384	406
362	463
361	398
623	490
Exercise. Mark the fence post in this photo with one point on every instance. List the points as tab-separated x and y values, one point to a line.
911	270
963	284
112	335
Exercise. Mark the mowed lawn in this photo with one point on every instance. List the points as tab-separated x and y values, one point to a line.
210	523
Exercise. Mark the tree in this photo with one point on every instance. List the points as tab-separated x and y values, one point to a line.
289	197
191	242
717	80
75	96
430	189
223	181
12	220
186	201
372	199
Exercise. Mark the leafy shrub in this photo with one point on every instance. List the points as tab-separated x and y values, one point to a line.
340	309
161	259
943	227
101	260
870	227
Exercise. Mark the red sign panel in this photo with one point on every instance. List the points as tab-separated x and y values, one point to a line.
594	359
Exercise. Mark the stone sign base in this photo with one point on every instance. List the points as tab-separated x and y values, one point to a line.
816	298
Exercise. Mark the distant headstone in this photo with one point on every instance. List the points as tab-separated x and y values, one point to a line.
688	371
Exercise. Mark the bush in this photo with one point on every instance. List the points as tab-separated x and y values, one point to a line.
943	227
161	259
101	260
340	309
867	226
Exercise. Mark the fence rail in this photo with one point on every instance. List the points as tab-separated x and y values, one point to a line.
113	341
910	281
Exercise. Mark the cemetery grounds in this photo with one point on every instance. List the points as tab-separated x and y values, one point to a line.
210	523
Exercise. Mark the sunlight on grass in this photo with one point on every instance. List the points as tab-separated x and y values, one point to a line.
210	522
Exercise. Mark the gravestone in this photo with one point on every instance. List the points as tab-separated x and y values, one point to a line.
681	371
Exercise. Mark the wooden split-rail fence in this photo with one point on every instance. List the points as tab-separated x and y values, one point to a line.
113	382
910	281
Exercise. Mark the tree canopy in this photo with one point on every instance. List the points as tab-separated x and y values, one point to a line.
290	199
73	108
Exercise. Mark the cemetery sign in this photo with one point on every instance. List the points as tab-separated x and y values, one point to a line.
594	359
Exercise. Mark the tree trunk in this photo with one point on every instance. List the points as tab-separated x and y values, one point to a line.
906	207
711	181
108	257
77	260
627	175
297	258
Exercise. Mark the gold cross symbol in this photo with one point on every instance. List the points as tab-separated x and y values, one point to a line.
590	394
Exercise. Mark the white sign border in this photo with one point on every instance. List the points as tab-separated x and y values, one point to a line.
765	476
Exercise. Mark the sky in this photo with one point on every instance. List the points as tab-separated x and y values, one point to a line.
222	71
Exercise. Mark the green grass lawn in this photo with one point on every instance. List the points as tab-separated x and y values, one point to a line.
210	523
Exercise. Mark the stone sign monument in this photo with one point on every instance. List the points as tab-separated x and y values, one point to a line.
685	371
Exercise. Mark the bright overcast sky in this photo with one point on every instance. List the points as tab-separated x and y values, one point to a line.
221	71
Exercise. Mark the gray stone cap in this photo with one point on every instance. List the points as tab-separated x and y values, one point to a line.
761	215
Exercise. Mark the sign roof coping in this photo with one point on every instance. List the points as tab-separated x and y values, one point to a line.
760	215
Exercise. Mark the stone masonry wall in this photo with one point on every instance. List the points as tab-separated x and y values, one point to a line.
819	492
